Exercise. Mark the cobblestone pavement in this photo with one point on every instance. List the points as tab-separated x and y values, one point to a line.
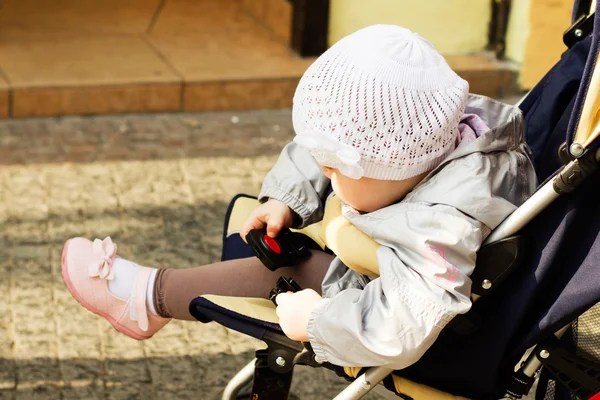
157	184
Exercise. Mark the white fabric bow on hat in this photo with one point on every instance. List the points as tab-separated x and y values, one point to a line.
331	153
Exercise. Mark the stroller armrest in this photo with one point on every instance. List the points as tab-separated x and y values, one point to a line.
251	316
256	318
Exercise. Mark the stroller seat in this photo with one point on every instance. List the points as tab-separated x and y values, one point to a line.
257	318
272	372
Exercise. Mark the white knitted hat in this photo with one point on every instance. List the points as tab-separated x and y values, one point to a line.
380	103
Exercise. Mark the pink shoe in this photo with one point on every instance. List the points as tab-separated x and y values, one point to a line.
87	268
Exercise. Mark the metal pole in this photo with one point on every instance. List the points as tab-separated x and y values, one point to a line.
532	364
524	214
530	209
238	382
364	383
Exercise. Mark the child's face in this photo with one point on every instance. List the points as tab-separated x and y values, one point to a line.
366	194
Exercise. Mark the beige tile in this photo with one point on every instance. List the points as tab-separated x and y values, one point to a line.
253	54
498	83
109	60
195	41
22	19
485	75
29	102
221	40
478	62
278	17
4	103
254	7
4	98
183	17
3	83
216	96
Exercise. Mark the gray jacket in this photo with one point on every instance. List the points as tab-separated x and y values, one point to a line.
428	243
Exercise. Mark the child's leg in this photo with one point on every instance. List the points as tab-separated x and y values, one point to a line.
174	289
138	301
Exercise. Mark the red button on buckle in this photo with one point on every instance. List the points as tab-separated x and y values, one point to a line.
272	243
596	396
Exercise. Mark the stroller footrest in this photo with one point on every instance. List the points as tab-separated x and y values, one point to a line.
578	374
270	384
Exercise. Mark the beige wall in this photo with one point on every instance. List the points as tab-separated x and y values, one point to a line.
548	20
453	26
534	37
518	30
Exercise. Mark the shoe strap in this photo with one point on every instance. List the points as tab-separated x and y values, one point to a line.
137	305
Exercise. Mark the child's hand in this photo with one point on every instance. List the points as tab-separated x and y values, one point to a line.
274	214
293	310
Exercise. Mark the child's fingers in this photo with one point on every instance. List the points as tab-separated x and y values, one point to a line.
274	224
254	221
282	298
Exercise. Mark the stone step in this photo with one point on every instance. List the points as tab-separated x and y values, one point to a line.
186	56
44	88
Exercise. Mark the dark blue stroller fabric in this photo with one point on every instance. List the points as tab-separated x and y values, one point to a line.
233	246
547	108
566	234
586	79
562	276
559	281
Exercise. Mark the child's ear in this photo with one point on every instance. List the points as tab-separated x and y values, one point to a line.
327	171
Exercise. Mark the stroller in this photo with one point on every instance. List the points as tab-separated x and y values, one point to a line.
536	284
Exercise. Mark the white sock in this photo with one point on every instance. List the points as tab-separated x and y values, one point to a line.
124	272
124	277
150	292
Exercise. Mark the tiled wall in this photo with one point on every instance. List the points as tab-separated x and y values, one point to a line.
111	56
86	56
274	14
4	100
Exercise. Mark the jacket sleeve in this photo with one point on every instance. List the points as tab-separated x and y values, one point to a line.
297	181
425	258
